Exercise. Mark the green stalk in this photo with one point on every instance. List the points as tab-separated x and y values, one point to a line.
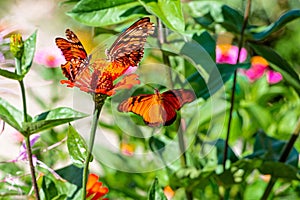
241	41
98	107
284	155
27	135
161	40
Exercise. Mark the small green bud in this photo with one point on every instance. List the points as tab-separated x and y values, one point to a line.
16	45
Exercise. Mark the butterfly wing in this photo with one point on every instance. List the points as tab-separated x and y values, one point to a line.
144	105
157	109
74	54
128	48
130	44
177	98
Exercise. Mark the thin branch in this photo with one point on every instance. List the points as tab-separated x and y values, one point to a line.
27	134
285	153
246	16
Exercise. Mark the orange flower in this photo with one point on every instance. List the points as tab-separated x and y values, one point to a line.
169	193
97	76
95	190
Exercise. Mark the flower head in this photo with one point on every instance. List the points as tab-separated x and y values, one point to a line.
95	189
49	57
127	149
17	45
99	78
226	53
260	66
169	193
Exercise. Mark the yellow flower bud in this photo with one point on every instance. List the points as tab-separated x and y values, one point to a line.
16	45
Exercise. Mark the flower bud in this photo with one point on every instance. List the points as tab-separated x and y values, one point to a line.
16	45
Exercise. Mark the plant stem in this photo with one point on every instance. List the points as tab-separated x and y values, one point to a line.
27	135
96	114
32	169
285	153
161	40
181	145
241	41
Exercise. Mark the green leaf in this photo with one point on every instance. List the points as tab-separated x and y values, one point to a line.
28	54
168	11
220	144
156	192
260	113
156	144
280	65
77	147
276	169
103	13
275	26
52	118
218	76
268	148
49	188
232	19
207	42
72	174
10	75
53	188
11	115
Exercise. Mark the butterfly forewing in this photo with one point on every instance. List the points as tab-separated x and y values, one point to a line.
74	54
129	46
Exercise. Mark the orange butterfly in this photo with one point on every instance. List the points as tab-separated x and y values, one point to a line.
98	77
157	109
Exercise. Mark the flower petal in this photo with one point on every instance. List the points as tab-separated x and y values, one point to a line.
226	53
273	77
126	83
92	180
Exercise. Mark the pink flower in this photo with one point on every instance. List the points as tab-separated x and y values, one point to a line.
259	66
273	77
50	57
226	53
23	150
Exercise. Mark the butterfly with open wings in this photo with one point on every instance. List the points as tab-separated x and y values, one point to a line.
159	108
98	77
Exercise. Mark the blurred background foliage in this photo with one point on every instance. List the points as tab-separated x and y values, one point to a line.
135	161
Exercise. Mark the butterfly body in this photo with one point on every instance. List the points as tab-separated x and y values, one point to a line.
98	77
159	108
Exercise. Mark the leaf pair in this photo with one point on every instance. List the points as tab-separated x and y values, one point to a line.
43	121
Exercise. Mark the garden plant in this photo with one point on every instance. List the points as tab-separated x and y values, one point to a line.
149	99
